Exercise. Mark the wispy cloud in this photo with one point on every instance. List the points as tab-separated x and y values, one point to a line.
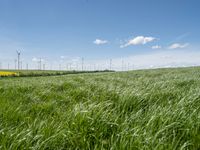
100	42
159	59
62	57
182	36
178	45
156	47
34	59
139	40
76	59
155	59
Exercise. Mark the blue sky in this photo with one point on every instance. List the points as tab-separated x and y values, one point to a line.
99	29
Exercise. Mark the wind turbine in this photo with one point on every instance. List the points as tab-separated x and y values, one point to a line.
110	64
18	59
82	63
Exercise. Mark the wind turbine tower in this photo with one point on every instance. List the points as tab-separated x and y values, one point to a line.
110	64
82	63
18	59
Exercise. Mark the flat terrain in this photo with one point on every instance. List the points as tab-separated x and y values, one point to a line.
149	109
35	73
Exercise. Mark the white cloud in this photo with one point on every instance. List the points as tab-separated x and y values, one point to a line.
76	59
100	42
178	45
139	40
156	47
34	59
62	57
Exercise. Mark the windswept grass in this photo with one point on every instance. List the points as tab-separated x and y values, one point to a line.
152	109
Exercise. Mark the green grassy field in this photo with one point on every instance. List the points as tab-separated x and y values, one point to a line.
35	73
147	109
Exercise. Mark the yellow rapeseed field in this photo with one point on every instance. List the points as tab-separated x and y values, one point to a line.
5	74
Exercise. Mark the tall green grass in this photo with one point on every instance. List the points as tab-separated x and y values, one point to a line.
152	109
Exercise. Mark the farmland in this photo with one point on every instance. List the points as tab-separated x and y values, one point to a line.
6	74
145	109
35	73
